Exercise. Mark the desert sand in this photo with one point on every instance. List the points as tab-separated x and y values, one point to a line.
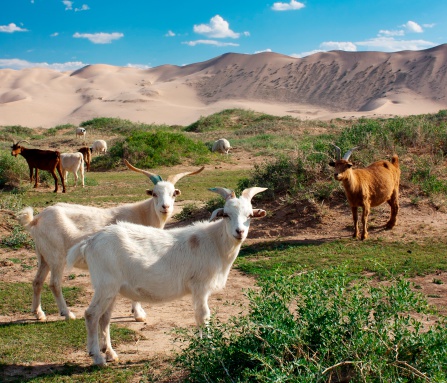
321	86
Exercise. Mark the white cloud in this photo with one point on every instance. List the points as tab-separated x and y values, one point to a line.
390	44
338	45
217	28
99	38
413	27
23	64
292	6
209	42
68	5
170	34
11	27
428	25
384	32
84	7
55	34
265	50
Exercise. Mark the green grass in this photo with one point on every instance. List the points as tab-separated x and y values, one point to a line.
382	258
17	297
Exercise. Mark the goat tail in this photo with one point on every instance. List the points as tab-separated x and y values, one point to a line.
76	256
25	216
395	161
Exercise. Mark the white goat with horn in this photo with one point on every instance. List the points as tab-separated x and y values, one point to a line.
368	187
153	265
62	225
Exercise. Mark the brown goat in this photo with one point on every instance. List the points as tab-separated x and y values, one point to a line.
40	159
87	153
369	187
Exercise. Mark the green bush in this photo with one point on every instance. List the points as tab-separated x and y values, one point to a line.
12	170
321	326
148	150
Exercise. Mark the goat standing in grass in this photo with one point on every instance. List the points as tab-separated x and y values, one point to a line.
159	266
62	225
87	154
368	187
73	162
49	160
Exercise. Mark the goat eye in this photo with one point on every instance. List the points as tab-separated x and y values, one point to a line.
225	215
154	195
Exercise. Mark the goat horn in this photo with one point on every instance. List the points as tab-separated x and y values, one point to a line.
174	178
225	193
18	142
338	152
251	192
155	178
348	153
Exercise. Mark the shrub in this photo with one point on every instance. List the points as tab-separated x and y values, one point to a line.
148	150
319	327
12	170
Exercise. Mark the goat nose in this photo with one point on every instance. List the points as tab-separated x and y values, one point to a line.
240	231
166	207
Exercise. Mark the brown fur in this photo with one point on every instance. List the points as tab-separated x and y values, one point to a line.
49	160
85	150
369	187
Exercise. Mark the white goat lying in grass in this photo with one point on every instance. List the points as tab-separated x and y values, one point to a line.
157	266
60	226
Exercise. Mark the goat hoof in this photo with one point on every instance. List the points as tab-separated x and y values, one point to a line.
140	319
41	317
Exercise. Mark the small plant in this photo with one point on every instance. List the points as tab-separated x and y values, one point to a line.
17	239
437	281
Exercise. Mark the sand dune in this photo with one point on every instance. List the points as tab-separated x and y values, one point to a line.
320	86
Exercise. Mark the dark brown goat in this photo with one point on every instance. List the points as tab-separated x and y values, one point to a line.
369	187
87	153
40	159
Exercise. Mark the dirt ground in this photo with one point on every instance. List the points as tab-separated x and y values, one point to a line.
154	337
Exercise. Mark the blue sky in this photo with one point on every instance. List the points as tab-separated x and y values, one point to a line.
66	35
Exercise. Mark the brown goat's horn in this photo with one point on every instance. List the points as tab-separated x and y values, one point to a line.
348	153
337	151
174	178
18	142
225	193
155	178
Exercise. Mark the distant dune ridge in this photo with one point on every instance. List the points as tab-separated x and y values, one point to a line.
320	86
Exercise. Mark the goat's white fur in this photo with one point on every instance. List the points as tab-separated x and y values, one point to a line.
157	266
221	145
80	132
99	146
72	162
62	225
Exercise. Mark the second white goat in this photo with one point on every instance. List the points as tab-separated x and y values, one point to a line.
153	265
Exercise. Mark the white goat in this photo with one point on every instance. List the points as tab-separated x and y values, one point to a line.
99	146
222	145
72	162
158	266
62	225
80	132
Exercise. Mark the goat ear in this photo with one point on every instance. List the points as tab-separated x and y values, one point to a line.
149	192
332	163
177	192
216	214
259	213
